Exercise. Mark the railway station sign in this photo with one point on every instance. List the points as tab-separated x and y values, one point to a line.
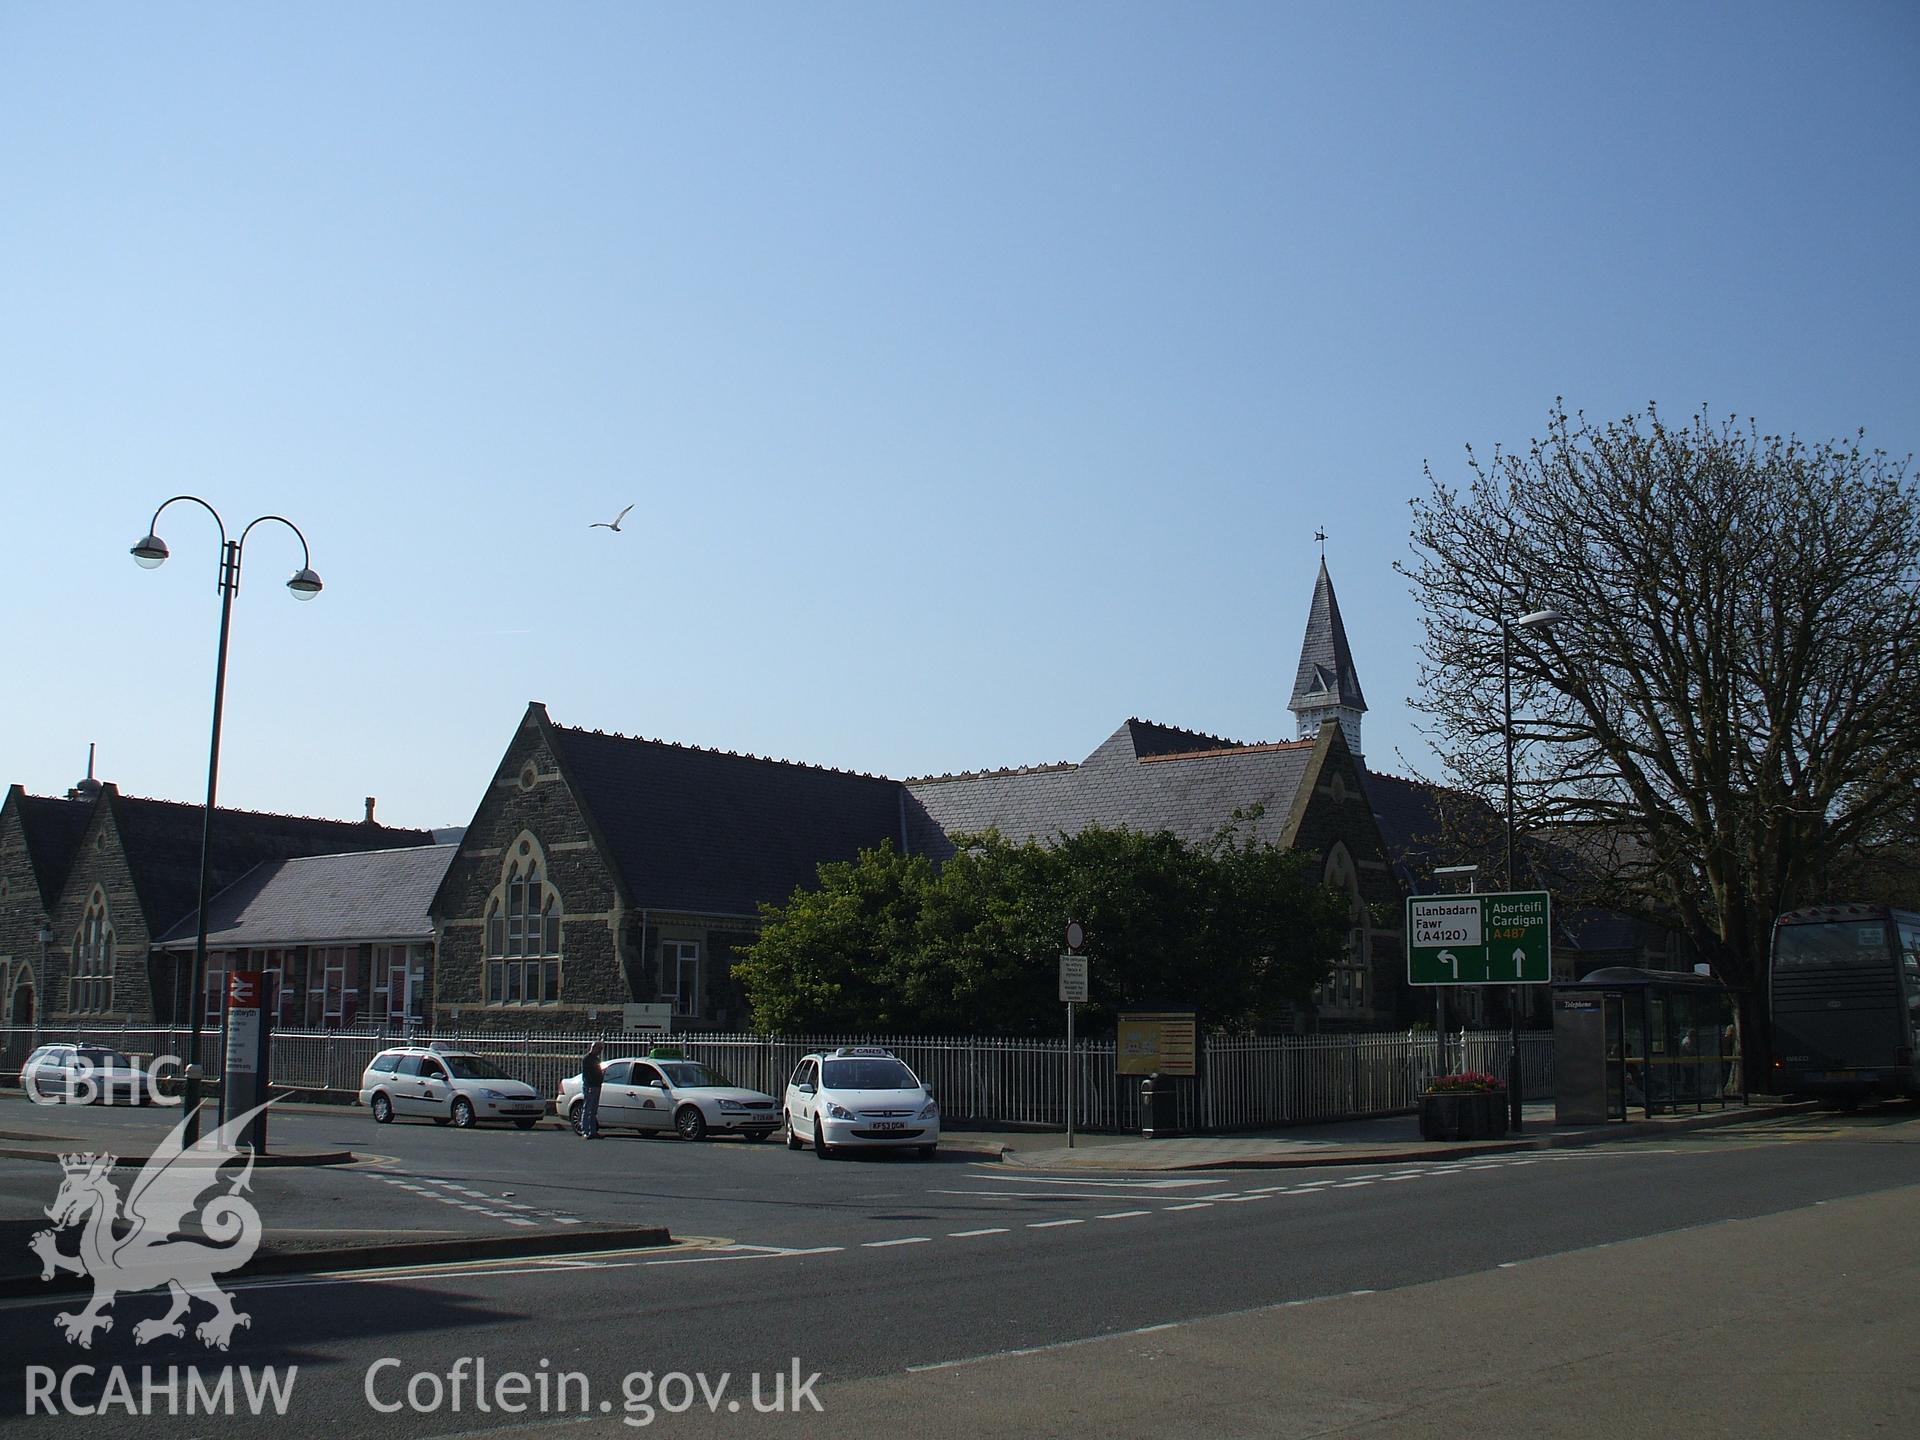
1480	939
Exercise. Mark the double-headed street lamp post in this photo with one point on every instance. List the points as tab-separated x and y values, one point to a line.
1537	620
150	552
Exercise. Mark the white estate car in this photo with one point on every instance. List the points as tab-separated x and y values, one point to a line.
446	1085
658	1092
859	1097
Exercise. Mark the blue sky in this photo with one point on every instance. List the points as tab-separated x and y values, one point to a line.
979	374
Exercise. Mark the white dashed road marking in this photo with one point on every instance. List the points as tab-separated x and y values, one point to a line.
462	1197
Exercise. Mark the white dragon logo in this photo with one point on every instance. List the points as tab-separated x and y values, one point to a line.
141	1248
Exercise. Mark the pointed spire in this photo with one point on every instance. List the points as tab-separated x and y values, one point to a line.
1326	686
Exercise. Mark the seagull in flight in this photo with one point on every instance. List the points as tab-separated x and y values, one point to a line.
613	525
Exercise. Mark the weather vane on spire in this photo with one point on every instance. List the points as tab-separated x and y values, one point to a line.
1321	536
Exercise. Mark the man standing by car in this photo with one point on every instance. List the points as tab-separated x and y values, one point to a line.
591	1074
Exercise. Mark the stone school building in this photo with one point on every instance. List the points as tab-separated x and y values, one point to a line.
91	884
603	869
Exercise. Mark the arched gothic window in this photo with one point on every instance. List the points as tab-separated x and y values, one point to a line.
1346	986
90	980
524	916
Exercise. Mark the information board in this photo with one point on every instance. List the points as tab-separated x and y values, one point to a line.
1162	1042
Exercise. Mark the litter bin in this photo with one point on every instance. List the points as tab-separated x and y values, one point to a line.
1159	1107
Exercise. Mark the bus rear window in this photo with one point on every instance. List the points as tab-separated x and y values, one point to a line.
1820	947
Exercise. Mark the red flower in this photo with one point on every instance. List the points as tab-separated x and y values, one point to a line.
1466	1082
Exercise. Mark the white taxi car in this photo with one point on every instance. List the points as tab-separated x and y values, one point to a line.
448	1087
859	1097
663	1090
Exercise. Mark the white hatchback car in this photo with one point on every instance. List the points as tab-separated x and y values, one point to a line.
859	1097
446	1086
661	1092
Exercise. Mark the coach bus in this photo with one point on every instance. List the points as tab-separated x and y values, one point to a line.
1844	985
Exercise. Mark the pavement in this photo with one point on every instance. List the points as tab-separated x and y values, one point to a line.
1774	1327
1381	1140
46	1133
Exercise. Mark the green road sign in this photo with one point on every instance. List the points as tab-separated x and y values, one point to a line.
1479	939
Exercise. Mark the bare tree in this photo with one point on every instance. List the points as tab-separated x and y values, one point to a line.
1733	692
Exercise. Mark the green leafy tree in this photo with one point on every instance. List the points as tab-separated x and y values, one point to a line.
1725	722
837	959
1236	928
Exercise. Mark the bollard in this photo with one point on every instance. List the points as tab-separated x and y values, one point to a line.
1159	1107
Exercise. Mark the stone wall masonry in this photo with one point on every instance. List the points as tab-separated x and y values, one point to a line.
546	810
101	861
1346	817
21	913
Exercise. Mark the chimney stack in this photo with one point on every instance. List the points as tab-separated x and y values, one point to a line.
370	800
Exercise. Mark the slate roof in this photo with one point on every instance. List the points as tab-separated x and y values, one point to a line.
716	833
52	828
1423	825
162	843
355	898
1326	675
1145	777
1408	814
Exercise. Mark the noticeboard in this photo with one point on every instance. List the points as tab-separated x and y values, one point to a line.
1157	1042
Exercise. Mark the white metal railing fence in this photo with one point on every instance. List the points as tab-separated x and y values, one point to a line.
1245	1082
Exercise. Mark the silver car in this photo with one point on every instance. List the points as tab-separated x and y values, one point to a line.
86	1074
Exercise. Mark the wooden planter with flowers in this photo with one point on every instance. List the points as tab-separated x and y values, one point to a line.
1469	1106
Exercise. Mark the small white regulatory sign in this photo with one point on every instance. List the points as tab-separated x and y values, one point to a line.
655	1019
1073	979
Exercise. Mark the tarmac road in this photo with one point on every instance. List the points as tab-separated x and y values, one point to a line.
867	1273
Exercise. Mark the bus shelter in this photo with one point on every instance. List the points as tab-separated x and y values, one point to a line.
1659	1041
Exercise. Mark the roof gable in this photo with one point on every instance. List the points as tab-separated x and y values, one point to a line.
52	829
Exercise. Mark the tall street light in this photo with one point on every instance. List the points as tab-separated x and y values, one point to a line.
151	551
1538	620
